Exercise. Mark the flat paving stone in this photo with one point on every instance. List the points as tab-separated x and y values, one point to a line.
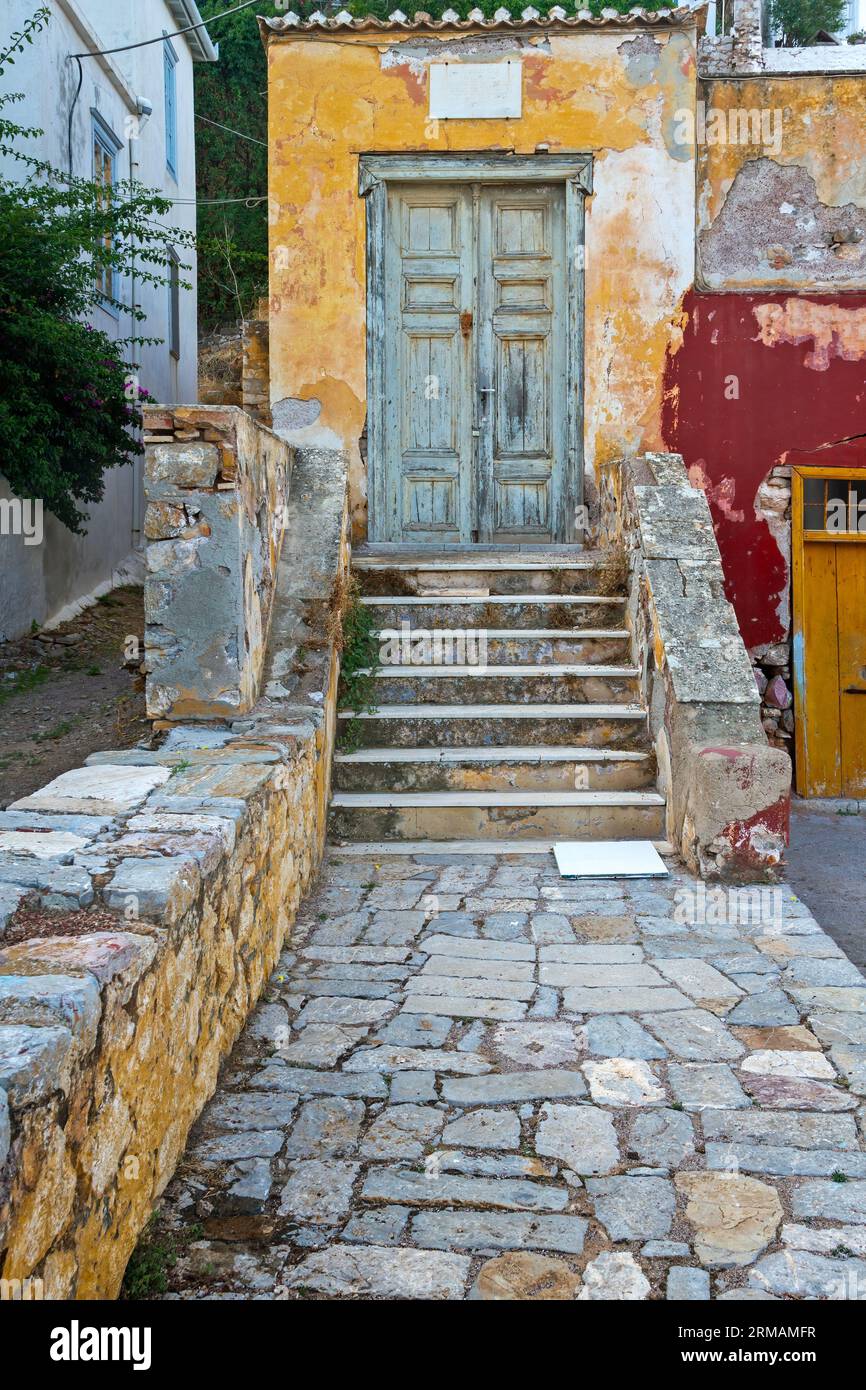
388	1059
695	1035
319	1191
767	1009
484	1129
402	1131
468	968
547	928
353	1271
802	1129
537	1044
505	926
830	1240
831	1201
617	1035
512	1087
623	1081
590	955
580	1136
464	1006
631	1208
605	977
321	1045
784	1161
622	999
249	1110
801	1274
734	1217
476	949
491	1230
524	1278
344	1011
248	1144
416	1030
686	1284
792	1093
708	987
486	989
310	1083
614	1276
413	1086
327	1127
419	1189
381	1226
662	1138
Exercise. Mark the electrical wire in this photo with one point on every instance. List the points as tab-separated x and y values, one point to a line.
143	43
240	134
217	202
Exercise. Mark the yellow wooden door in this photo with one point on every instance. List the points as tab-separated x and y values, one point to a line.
829	657
851	610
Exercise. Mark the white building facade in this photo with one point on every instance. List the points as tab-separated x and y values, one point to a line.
110	116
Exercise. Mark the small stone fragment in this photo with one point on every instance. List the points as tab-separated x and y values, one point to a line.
614	1276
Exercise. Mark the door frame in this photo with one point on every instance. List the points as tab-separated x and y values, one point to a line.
375	173
800	537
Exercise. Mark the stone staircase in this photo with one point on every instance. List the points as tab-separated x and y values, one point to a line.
545	739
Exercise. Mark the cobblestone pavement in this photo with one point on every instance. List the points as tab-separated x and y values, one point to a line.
471	1078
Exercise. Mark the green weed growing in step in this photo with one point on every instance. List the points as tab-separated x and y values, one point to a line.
359	662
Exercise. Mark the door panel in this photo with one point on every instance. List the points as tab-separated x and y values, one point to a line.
851	607
521	363
822	670
474	361
428	452
829	594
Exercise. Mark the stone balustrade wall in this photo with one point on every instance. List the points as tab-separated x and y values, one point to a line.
217	488
145	899
728	790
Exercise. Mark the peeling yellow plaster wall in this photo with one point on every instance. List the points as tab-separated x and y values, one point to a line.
618	95
770	208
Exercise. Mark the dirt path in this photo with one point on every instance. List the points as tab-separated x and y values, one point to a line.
67	693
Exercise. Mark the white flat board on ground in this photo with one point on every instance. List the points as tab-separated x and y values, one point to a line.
609	859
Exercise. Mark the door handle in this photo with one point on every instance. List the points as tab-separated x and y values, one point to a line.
487	390
853	690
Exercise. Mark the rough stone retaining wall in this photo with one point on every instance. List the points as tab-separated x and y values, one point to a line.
217	488
728	790
144	901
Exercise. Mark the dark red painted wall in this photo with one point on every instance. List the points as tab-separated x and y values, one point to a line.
785	408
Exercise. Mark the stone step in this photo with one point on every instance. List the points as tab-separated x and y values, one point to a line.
445	850
563	570
550	684
497	725
497	815
493	769
515	611
506	646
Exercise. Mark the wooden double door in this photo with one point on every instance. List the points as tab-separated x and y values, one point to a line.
473	368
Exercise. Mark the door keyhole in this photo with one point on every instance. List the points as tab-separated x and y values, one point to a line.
466	323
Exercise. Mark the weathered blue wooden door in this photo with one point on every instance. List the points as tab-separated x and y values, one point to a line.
474	364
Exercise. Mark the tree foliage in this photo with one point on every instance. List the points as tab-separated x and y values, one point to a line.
798	21
69	398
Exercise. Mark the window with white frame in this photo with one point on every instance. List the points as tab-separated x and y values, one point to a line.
170	67
105	151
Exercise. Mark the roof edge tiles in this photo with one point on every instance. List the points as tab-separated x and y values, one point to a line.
288	25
